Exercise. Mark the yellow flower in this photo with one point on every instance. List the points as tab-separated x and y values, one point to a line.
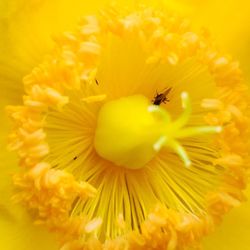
106	160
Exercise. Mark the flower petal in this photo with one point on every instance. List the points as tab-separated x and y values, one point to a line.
20	233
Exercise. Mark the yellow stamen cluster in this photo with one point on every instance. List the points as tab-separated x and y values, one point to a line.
165	228
53	191
73	66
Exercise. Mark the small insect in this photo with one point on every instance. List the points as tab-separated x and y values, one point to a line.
96	81
162	97
75	158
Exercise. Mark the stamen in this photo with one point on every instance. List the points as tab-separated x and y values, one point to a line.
93	225
94	98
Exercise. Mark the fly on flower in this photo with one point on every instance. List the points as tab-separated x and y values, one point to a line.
145	176
162	97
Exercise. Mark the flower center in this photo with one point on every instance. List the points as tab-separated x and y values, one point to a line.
130	131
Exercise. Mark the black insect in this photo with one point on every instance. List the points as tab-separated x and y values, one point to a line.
75	158
96	81
162	97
